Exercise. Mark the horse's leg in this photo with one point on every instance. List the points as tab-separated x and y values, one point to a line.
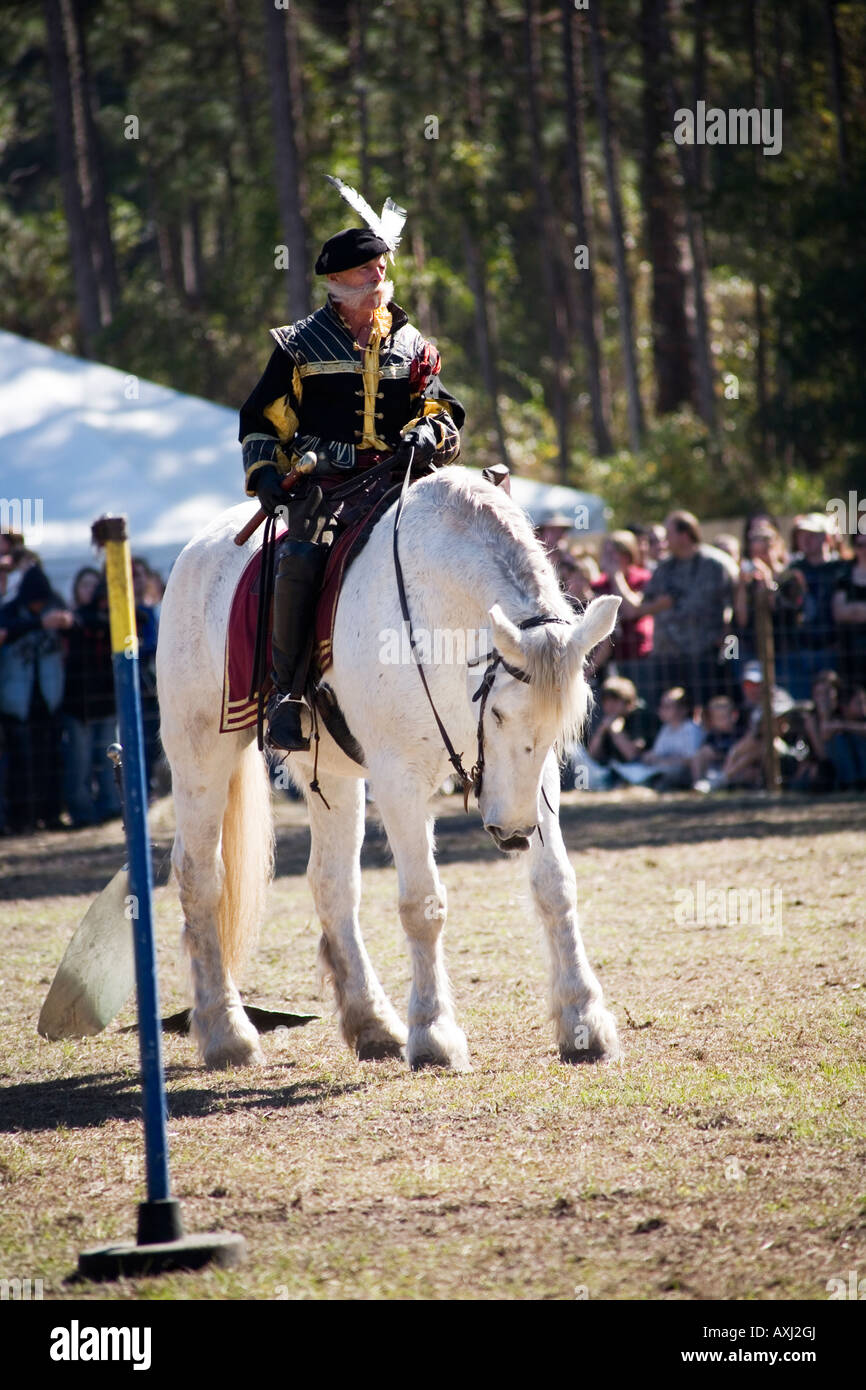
585	1029
434	1036
211	783
368	1020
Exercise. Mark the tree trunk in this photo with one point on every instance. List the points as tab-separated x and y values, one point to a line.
544	212
296	92
89	162
86	294
760	324
706	400
358	54
589	323
190	242
623	288
243	80
80	160
473	246
489	375
286	165
837	87
672	351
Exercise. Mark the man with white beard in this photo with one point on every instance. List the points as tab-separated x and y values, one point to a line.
351	383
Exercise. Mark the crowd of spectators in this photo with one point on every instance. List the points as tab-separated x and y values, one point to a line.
57	704
679	683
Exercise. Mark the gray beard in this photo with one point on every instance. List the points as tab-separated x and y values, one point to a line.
362	297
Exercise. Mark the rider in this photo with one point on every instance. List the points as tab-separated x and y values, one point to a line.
349	383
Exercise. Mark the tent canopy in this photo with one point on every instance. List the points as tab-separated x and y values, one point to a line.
78	439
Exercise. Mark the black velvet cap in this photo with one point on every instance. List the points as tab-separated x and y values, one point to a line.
349	249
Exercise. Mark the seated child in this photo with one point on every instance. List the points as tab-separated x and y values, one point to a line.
668	764
720	723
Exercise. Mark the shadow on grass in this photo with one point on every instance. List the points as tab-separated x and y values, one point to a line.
82	1102
590	822
62	865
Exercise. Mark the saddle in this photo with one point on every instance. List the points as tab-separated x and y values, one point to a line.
353	524
240	705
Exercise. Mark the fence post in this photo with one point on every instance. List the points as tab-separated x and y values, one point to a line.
767	658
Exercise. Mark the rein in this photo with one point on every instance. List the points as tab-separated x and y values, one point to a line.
472	780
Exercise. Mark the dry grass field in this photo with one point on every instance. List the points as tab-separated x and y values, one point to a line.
723	1158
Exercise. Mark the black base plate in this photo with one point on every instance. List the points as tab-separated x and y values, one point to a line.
190	1252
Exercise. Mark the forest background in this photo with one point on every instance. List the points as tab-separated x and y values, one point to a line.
664	324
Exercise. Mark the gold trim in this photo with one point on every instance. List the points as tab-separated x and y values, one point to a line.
282	417
372	376
394	371
343	364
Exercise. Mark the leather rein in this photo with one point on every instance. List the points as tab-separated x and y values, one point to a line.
474	779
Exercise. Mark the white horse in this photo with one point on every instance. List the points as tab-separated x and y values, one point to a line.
472	566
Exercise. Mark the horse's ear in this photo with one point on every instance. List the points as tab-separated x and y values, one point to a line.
507	638
598	622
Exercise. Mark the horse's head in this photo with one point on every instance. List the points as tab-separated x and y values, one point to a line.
526	713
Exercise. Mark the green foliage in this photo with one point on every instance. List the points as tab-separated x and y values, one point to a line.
195	220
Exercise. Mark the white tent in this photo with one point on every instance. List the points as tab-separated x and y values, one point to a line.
78	439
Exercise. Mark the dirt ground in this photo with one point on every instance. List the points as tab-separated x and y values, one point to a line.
722	1158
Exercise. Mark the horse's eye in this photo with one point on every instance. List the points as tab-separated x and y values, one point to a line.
496	715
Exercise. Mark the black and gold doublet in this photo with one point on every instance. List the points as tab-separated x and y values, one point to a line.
322	391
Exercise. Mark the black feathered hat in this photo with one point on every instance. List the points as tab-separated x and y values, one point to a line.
349	249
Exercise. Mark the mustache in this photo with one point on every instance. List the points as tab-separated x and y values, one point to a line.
357	297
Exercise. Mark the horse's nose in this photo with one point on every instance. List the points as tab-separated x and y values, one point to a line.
517	838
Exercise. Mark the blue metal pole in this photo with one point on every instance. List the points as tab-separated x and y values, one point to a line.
162	1223
141	906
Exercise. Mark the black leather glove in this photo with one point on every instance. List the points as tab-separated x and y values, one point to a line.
422	438
269	489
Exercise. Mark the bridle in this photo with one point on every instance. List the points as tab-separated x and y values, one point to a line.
474	779
495	660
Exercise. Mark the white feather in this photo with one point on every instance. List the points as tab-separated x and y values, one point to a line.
388	226
393	218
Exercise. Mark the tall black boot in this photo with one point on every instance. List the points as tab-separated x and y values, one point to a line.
296	589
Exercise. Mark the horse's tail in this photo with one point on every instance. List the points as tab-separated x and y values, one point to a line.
248	858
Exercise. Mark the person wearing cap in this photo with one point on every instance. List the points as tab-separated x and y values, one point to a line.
808	637
751	687
744	764
351	383
554	531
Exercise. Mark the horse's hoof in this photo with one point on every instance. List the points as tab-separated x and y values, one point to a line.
440	1044
592	1038
428	1062
228	1045
239	1054
380	1050
572	1057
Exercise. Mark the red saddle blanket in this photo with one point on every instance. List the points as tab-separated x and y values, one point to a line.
239	711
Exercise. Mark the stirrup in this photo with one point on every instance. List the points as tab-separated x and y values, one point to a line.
284	724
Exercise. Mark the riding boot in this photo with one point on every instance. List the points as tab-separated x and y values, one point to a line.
296	589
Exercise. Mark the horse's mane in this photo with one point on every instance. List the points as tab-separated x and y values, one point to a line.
530	587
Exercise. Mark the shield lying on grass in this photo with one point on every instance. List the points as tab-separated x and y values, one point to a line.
97	975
